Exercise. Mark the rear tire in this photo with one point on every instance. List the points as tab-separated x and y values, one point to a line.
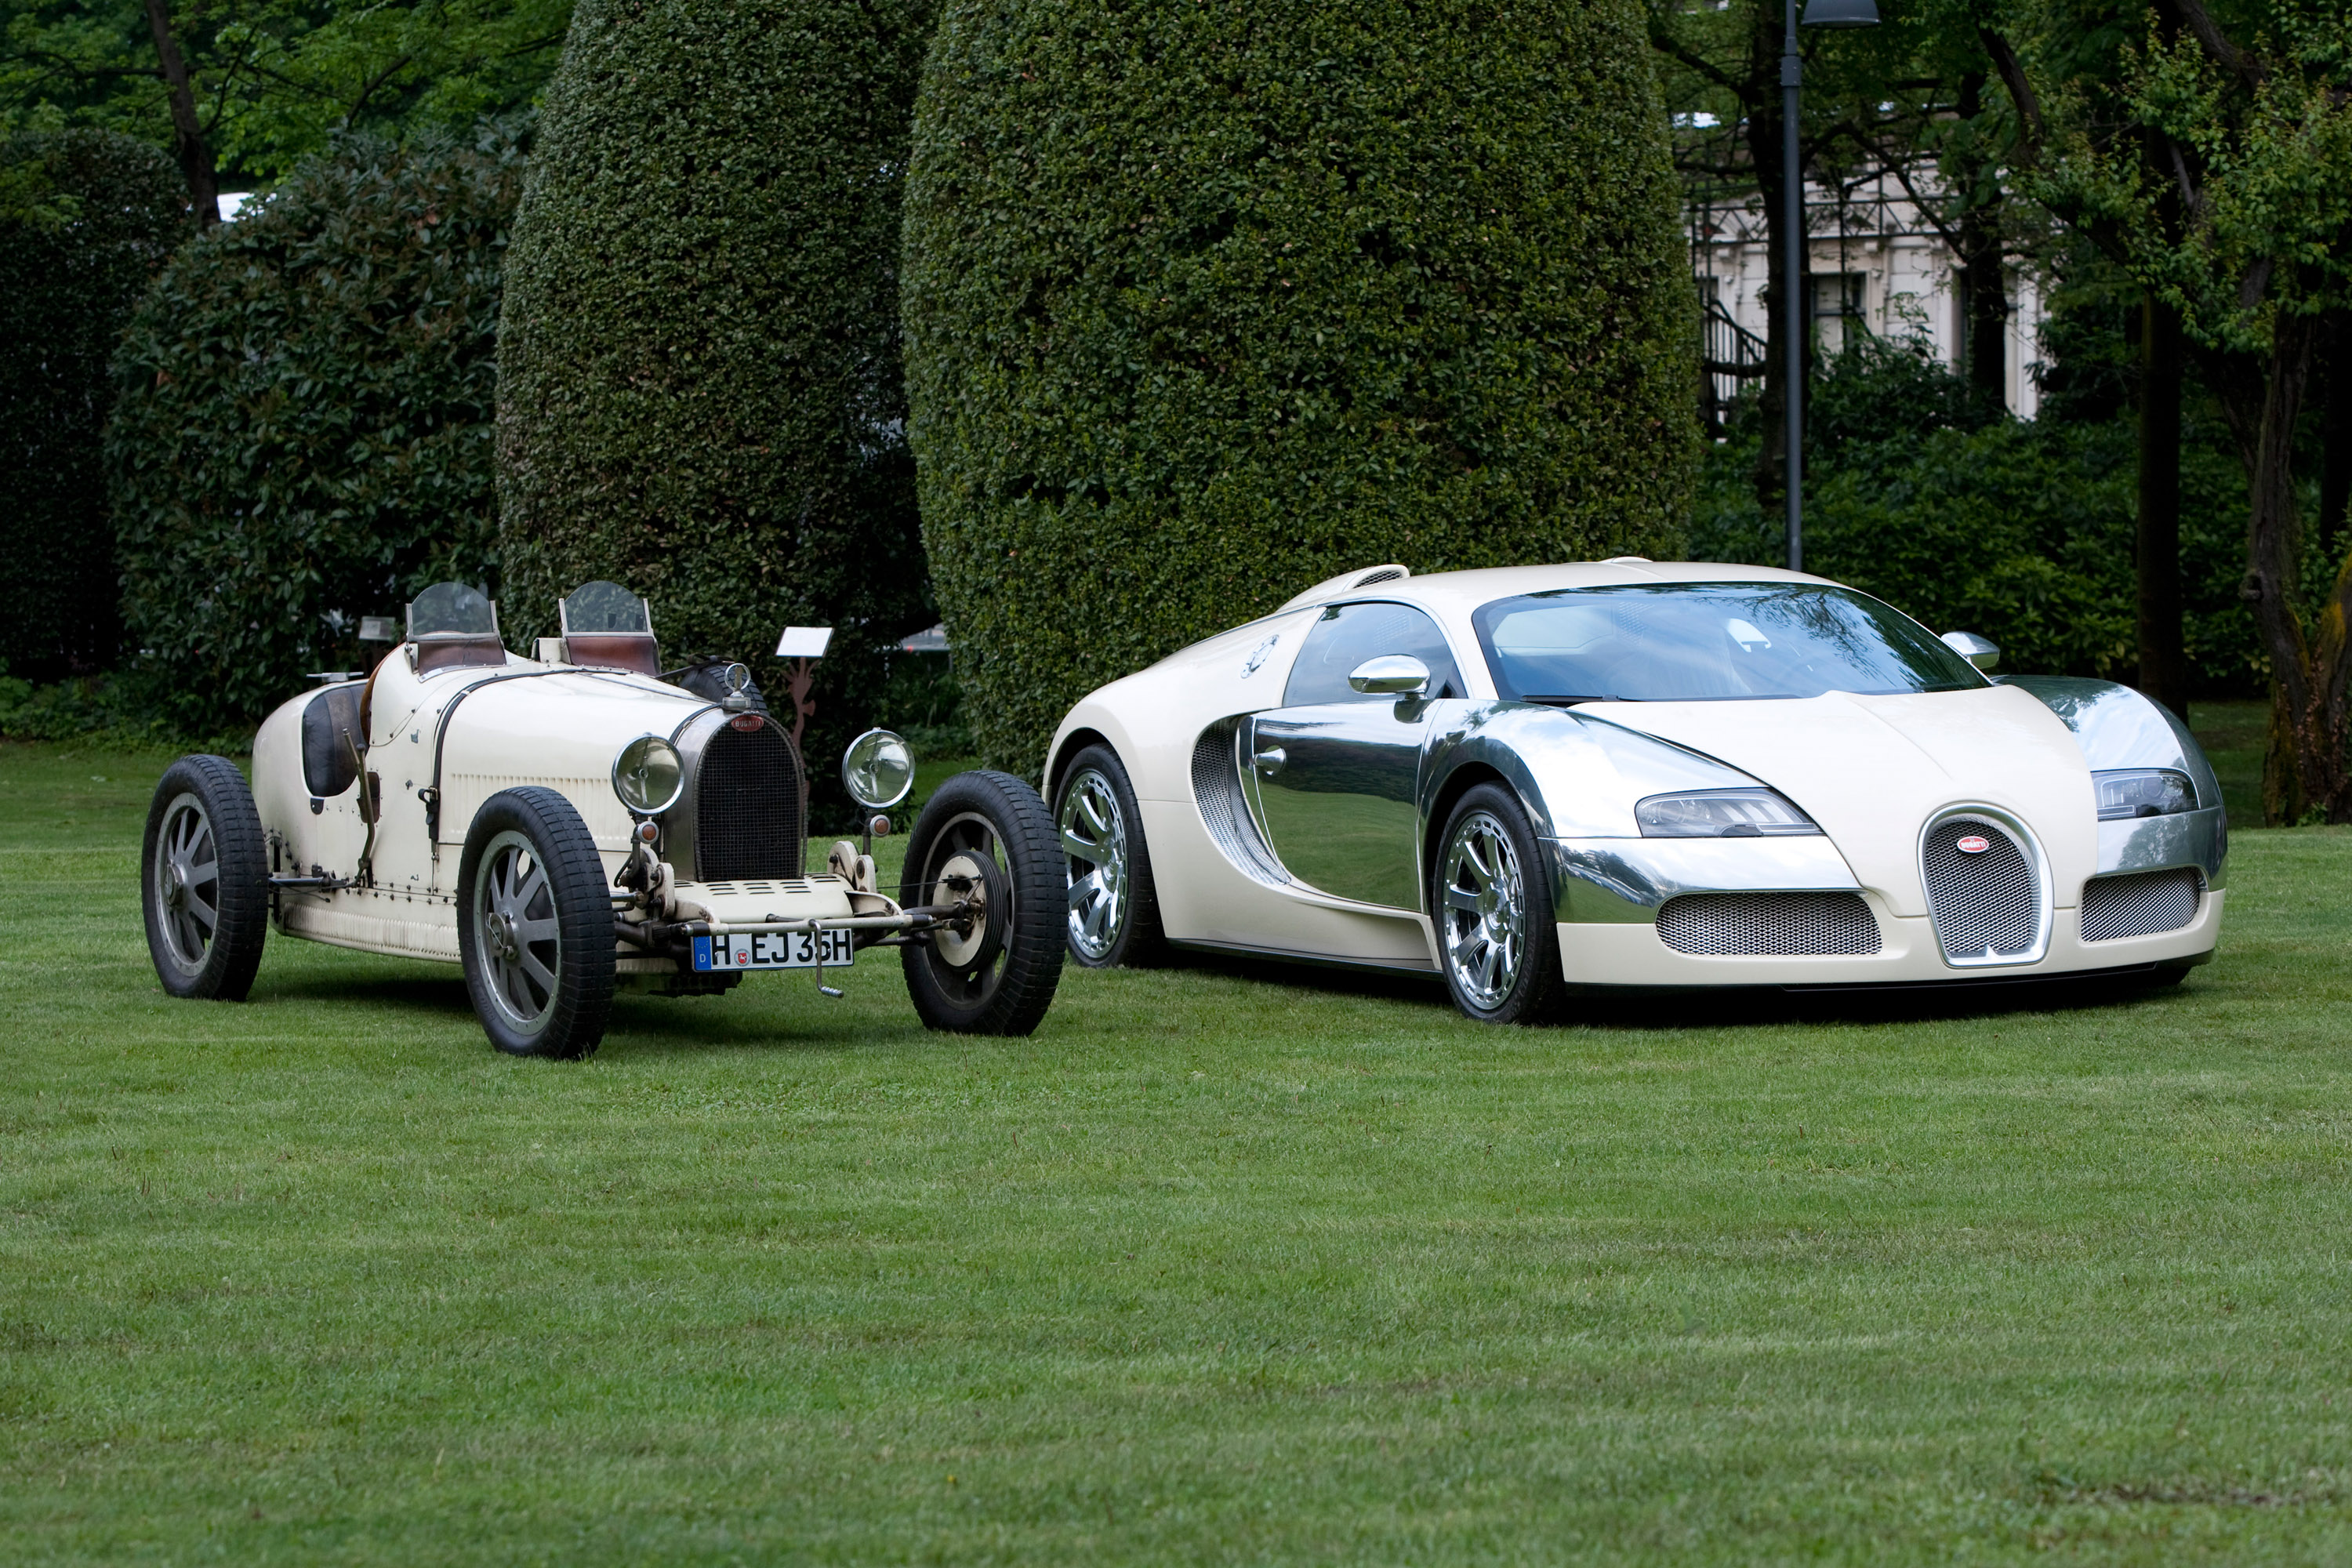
1491	902
535	926
204	881
1112	908
991	833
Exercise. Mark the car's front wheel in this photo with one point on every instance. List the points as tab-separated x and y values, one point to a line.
535	926
205	879
1114	910
1491	902
986	841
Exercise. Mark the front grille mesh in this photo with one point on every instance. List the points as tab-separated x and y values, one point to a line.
1984	905
1770	925
2139	905
747	809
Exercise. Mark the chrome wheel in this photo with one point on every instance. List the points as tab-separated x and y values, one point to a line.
187	882
1094	842
516	932
1482	915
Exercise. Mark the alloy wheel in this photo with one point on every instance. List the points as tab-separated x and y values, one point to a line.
1483	912
1093	841
187	882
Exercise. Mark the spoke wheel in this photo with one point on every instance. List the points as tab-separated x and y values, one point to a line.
1113	914
535	926
1493	911
207	891
986	839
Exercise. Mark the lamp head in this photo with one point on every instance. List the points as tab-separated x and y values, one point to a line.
1841	14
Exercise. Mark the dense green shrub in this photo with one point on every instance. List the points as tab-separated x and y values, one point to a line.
86	218
1970	520
1205	303
304	431
700	392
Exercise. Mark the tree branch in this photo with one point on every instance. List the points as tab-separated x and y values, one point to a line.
1666	44
2230	58
2020	93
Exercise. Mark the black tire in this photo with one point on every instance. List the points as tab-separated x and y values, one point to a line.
1115	919
535	926
997	975
1491	900
204	874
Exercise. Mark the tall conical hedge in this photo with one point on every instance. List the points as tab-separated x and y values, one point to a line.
1205	302
699	385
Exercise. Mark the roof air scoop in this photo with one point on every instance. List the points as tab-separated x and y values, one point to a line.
1346	582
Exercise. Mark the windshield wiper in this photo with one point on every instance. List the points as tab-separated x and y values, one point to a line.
1565	701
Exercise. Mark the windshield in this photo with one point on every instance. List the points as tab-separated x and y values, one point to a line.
1682	642
605	607
448	609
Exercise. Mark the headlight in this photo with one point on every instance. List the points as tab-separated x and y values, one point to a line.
2126	793
648	776
878	769
1721	814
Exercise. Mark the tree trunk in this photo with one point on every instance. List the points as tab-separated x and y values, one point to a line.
2163	658
2302	772
187	131
2336	435
1984	283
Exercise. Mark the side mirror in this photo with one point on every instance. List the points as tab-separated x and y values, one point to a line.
1979	651
1390	675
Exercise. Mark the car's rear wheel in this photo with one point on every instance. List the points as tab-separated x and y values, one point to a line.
1114	910
1492	904
535	926
987	839
204	875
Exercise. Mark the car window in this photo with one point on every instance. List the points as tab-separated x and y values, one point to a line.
1345	636
1698	641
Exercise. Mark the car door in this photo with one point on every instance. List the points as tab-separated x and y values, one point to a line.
1333	771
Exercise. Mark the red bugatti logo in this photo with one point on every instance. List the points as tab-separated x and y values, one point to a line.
1972	844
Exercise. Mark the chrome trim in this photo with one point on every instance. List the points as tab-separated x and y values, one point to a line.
2046	899
2190	838
1978	650
1623	882
1390	674
2117	727
1577	775
1226	812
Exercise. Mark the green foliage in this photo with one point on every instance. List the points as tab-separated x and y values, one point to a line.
700	394
304	428
1207	303
274	81
86	219
2020	531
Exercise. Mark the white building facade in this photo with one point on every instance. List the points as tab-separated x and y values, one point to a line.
1877	261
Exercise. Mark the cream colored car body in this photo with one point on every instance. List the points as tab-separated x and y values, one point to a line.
1872	772
472	731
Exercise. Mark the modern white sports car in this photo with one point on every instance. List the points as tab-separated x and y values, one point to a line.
1630	774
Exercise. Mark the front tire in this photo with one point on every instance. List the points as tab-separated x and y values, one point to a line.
986	837
204	876
535	926
1113	907
1491	902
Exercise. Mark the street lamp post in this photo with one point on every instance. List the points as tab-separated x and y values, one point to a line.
1818	14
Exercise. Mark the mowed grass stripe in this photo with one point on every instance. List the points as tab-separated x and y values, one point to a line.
1226	1264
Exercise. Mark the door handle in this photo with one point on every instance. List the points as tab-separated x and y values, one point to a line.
1269	762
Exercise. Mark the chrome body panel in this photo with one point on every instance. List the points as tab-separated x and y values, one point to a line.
1625	880
1578	775
1334	791
2197	838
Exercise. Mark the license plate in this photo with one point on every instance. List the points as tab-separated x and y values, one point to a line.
774	950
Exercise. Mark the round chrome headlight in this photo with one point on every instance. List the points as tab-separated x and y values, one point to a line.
648	776
878	769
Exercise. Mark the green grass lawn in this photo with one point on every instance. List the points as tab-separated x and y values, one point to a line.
1223	1265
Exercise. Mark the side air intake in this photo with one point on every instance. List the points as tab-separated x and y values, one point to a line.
1770	925
1217	790
2146	903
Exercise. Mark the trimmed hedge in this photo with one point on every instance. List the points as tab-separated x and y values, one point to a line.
304	429
1205	303
700	395
86	219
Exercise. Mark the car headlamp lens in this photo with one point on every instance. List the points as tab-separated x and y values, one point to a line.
1721	814
2125	792
878	769
648	776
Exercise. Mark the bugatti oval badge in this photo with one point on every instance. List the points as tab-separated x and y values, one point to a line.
1257	654
1972	844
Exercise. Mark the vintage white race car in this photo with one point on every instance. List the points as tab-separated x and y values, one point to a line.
581	822
1628	773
